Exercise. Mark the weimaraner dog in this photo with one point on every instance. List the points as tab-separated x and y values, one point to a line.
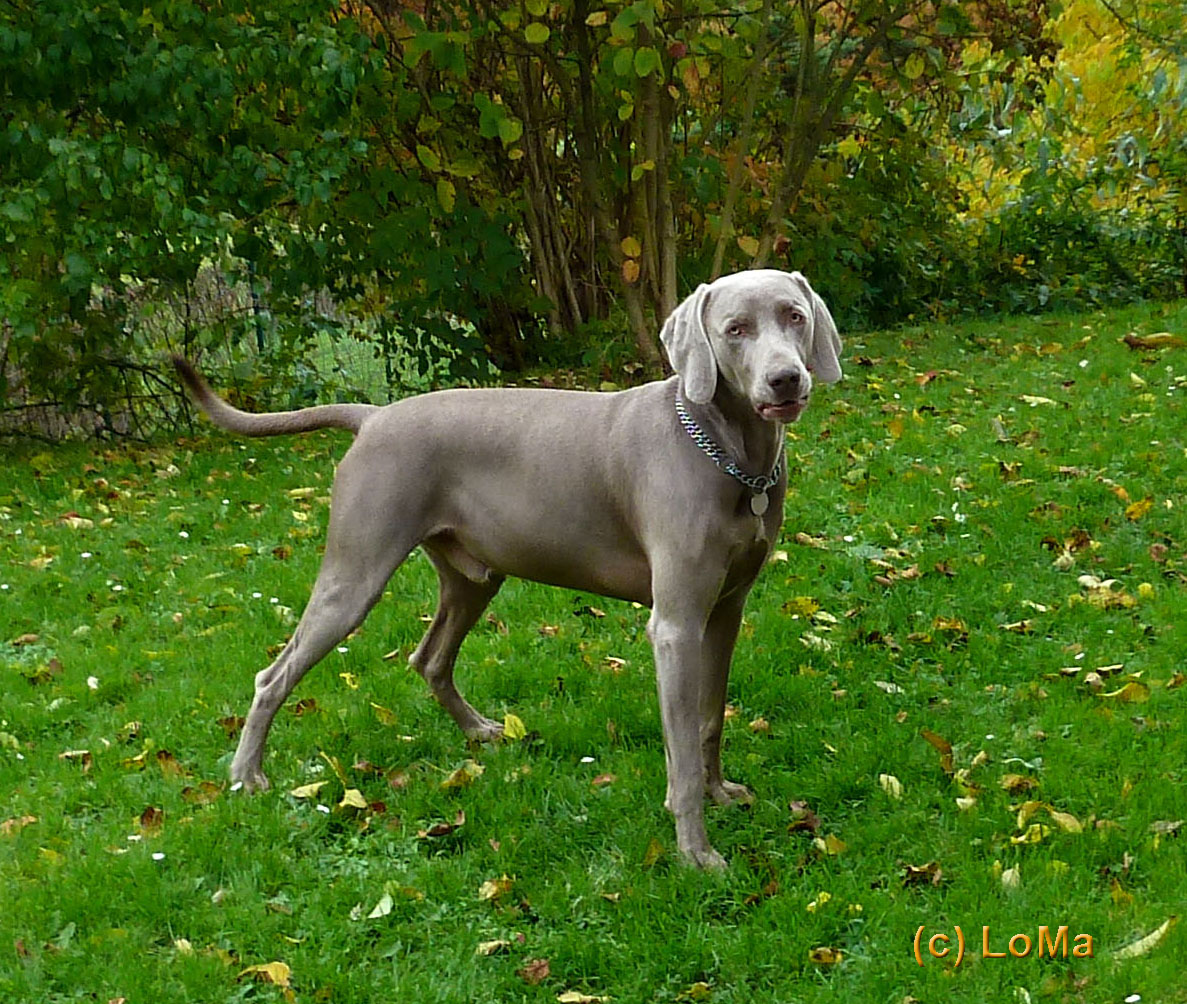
669	494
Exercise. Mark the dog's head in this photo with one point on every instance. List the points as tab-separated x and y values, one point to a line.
764	332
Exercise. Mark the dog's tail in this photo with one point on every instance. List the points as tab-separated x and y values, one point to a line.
277	423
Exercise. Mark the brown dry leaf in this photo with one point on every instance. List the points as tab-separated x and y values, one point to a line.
602	779
205	793
492	889
630	271
16	824
24	639
803	818
1017	783
1145	944
151	821
760	724
825	956
443	829
943	747
534	971
1158	340
269	972
926	874
305	706
232	725
169	764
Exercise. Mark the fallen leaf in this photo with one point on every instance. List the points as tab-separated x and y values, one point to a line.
1035	833
1158	340
1012	878
1132	693
353	799
603	779
492	889
830	845
513	727
308	790
443	829
575	996
655	851
891	785
1136	510
1066	821
151	821
269	972
534	971
383	907
464	775
943	747
803	818
16	824
169	764
385	715
825	956
1145	944
1015	783
486	948
926	874
205	793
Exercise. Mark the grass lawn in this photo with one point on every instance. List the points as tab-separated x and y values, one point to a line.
981	593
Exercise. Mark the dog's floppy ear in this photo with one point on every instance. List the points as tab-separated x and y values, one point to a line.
687	342
826	343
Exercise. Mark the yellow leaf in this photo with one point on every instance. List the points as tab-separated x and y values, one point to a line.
464	775
830	845
825	956
1035	833
1132	693
446	194
350	680
597	18
513	727
891	785
1066	821
494	888
655	851
269	972
352	798
492	947
575	996
630	271
849	147
631	247
1143	945
1136	510
803	606
748	245
385	715
308	790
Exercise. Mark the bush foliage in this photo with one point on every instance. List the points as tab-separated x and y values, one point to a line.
453	186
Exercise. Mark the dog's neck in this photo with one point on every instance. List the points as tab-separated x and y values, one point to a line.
730	420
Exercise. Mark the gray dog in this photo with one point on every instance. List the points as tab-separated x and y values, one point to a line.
669	494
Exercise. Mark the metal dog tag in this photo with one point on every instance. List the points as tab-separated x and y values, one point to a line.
759	503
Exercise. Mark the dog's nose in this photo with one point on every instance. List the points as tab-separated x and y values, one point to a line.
785	383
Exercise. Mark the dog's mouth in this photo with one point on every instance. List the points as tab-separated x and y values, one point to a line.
787	411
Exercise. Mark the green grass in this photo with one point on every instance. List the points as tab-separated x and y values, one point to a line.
170	598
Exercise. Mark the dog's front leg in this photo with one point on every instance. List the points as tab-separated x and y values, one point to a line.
677	633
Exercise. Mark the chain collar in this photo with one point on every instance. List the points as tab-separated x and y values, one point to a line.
759	484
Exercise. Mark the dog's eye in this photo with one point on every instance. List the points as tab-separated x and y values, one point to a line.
735	330
795	317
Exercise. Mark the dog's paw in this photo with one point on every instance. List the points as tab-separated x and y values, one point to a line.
730	793
249	779
705	858
484	730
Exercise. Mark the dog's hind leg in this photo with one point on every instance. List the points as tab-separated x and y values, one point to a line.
363	548
464	595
